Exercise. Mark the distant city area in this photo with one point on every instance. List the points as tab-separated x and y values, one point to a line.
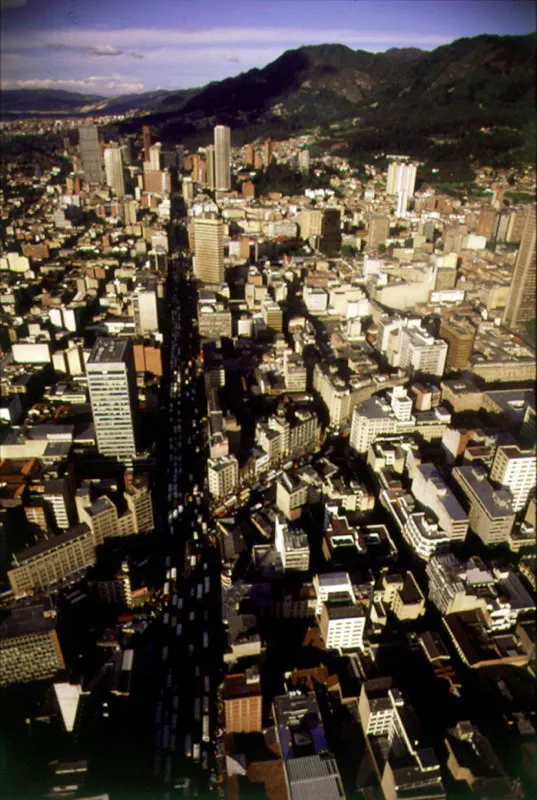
267	469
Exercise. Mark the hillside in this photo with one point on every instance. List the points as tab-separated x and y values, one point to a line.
473	99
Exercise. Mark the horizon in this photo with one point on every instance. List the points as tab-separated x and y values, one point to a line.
106	49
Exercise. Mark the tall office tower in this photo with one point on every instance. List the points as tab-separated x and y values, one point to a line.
90	153
515	469
209	250
113	397
304	161
222	147
401	178
211	166
402	204
520	307
267	151
113	169
154	156
460	336
146	135
330	243
379	230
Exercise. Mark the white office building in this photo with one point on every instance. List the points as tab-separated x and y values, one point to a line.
113	396
515	469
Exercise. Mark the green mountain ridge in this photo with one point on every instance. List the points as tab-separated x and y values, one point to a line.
469	99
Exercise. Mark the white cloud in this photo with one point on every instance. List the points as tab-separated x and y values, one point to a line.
95	50
96	83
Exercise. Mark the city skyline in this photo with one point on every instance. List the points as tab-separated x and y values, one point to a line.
108	49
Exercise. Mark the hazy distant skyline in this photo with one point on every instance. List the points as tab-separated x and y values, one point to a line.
113	47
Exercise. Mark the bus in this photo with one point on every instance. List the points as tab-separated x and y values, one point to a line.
205	728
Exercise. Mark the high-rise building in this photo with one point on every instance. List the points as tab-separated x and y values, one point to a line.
44	564
154	156
113	169
58	500
515	469
330	243
490	510
222	147
138	499
243	702
520	307
223	476
90	153
379	230
144	307
101	517
29	646
293	546
310	223
146	135
209	250
486	222
210	166
267	151
401	178
113	397
304	161
460	336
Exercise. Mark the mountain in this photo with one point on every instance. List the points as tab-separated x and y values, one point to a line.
471	99
395	100
43	100
26	101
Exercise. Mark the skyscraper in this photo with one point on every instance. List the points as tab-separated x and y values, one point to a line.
113	169
222	146
211	166
520	307
90	153
146	135
113	397
209	250
401	178
154	156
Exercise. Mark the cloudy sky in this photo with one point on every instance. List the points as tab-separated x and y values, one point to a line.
113	47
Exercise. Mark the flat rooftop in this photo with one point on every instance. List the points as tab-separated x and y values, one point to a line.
108	351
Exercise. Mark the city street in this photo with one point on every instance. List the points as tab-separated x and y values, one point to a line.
189	630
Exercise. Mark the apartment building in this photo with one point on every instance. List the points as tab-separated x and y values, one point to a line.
291	495
45	564
223	476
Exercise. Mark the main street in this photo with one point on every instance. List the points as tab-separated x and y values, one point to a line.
188	641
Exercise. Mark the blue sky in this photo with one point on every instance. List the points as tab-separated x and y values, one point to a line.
115	46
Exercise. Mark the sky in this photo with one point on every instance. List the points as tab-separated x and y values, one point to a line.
111	47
